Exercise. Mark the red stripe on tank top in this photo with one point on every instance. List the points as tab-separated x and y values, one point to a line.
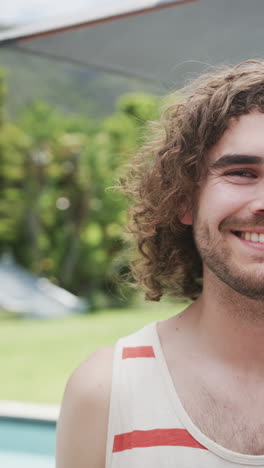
138	352
154	438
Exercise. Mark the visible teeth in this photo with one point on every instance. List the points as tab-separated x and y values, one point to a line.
252	236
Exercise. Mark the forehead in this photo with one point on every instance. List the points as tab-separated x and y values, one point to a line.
244	135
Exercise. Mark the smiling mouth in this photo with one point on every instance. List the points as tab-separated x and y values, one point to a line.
250	236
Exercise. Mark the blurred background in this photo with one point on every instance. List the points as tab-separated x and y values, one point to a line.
73	109
65	131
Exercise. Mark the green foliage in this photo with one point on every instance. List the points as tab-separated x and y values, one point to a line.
57	214
2	94
142	107
13	149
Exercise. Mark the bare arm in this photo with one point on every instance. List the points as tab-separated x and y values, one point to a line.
82	426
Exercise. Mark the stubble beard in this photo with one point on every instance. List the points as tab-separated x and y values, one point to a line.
217	256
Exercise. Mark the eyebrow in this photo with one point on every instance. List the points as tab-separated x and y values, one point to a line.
236	159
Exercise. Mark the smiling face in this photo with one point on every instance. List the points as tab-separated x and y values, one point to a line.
229	219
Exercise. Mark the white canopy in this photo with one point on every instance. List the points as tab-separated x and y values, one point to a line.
164	41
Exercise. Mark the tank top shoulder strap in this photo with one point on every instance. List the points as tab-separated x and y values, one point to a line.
137	386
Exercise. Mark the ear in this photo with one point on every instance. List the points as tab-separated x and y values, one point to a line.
187	219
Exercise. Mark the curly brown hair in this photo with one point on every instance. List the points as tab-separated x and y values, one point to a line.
164	174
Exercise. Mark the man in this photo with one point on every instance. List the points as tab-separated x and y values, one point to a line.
188	391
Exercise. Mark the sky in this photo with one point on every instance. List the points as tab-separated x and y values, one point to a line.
28	11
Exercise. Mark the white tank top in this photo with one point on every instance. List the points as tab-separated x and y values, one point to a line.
148	426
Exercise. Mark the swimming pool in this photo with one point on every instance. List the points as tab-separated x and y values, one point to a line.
27	443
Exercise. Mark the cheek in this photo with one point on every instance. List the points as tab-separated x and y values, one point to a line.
218	201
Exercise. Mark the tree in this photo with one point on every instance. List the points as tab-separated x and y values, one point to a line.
58	215
14	144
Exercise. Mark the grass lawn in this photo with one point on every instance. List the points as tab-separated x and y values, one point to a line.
37	356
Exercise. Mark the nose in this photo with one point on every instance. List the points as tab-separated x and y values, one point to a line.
257	203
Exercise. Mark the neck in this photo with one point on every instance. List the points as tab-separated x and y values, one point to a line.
230	326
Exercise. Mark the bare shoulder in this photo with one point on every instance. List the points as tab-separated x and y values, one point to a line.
82	426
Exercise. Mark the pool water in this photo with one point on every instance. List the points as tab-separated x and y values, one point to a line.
26	443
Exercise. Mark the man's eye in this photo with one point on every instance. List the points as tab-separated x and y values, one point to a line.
241	173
